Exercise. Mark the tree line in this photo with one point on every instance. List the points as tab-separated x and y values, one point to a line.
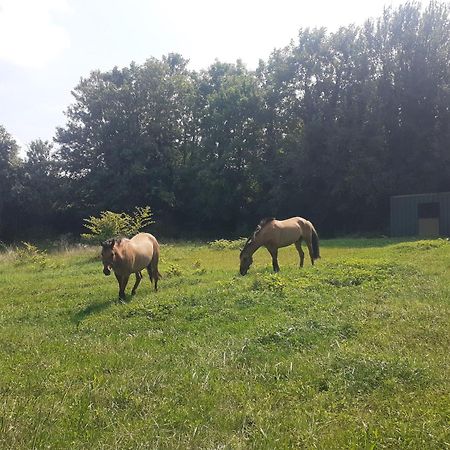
328	128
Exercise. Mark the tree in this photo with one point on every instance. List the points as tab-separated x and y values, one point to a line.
39	189
329	127
9	163
413	90
226	166
126	134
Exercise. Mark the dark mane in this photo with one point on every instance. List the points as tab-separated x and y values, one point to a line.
113	241
261	225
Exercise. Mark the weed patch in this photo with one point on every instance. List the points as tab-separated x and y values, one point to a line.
173	270
355	272
362	374
268	282
423	245
244	301
291	337
198	268
307	334
30	254
155	312
224	244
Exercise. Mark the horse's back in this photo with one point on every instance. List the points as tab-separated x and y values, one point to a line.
284	232
143	239
291	230
143	246
293	223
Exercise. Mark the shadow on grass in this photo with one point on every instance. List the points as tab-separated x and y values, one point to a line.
93	308
98	307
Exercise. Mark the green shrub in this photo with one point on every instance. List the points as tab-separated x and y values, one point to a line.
424	245
3	247
225	244
29	253
268	282
110	224
198	268
173	270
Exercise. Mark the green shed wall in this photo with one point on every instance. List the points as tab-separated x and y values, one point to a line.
404	218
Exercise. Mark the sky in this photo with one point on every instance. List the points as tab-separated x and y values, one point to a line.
46	46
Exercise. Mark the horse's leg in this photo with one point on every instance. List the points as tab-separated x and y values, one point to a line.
156	280
136	284
308	241
122	285
274	253
153	275
298	246
119	280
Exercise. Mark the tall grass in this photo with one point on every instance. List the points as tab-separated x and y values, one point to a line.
350	353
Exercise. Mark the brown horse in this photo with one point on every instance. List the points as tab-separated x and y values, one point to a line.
273	234
127	256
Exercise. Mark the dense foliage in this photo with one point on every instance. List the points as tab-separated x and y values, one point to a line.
110	224
328	128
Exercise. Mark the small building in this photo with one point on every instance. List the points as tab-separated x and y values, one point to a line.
423	215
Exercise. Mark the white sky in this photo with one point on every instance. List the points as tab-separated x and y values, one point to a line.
47	45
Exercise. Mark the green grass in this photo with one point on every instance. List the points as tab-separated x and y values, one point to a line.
350	353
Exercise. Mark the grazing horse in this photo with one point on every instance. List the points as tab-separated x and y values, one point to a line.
273	234
127	256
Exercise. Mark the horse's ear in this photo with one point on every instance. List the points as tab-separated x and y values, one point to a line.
108	243
246	243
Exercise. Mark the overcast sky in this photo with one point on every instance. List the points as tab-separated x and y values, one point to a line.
47	45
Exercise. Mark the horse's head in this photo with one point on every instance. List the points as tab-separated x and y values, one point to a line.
108	255
246	262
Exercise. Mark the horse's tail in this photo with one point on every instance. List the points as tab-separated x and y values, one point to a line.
154	276
152	268
315	243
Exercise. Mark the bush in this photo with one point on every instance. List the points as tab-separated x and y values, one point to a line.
224	244
268	282
173	270
110	224
29	253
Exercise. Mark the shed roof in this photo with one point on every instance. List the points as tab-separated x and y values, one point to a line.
421	195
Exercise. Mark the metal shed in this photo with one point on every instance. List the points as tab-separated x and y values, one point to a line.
424	215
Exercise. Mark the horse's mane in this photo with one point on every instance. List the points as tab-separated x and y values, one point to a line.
260	226
263	223
114	241
120	239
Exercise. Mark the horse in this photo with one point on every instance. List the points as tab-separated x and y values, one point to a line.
126	256
274	234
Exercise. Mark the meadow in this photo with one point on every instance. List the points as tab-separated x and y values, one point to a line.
351	353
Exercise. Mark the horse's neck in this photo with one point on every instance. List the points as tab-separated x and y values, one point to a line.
121	254
252	247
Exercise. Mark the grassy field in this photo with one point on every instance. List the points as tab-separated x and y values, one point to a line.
351	353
